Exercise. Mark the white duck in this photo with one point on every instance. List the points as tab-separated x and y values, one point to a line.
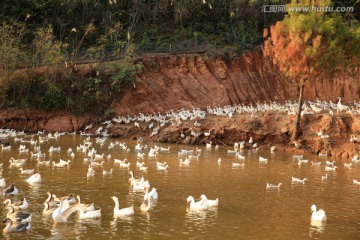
35	178
200	205
124	211
324	178
211	203
328	169
162	168
27	171
146	205
2	182
64	210
236	165
356	182
262	159
94	214
140	186
152	194
318	216
184	162
298	180
88	207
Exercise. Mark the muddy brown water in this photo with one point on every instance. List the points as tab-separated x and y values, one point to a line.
247	210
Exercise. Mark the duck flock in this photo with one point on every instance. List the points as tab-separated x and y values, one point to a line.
18	218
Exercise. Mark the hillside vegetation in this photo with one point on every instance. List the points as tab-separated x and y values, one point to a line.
42	43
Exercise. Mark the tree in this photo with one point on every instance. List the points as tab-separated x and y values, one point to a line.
309	45
11	52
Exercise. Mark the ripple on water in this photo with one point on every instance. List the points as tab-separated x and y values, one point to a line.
246	209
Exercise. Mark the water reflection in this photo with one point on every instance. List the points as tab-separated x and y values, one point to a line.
242	191
316	227
62	231
200	219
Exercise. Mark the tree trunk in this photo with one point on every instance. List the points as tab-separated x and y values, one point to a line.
296	132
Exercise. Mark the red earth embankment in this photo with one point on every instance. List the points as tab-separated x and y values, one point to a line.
186	81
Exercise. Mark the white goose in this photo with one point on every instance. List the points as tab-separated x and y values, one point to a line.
211	203
2	182
318	216
124	165
152	194
64	210
200	205
162	167
263	160
140	186
298	180
124	211
35	178
27	171
237	165
146	205
356	182
328	169
324	178
88	207
184	162
109	172
94	214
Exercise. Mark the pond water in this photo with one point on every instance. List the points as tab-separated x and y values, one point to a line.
247	210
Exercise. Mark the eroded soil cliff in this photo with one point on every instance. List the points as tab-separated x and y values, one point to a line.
186	81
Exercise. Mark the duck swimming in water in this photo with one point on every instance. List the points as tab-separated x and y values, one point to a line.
62	213
22	204
15	228
17	216
124	211
11	190
36	178
318	216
